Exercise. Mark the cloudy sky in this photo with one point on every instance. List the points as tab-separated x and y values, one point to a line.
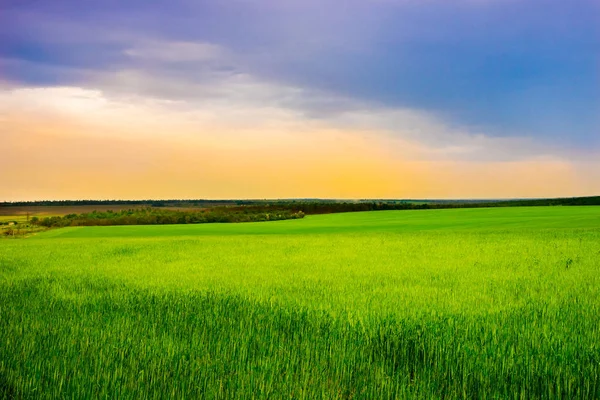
299	98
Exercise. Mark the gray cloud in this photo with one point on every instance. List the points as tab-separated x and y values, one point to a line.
505	68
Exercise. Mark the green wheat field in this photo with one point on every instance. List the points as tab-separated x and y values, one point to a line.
497	303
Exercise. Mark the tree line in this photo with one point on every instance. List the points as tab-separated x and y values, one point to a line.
159	216
315	207
318	204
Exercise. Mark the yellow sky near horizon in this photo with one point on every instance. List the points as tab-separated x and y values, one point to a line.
96	149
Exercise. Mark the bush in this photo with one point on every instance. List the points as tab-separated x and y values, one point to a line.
153	216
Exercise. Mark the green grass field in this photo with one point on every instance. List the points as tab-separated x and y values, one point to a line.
472	303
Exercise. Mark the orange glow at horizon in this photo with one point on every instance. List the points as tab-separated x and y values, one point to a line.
51	155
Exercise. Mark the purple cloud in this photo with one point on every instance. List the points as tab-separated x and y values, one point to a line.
509	68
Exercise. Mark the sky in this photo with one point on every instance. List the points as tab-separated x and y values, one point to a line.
212	99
